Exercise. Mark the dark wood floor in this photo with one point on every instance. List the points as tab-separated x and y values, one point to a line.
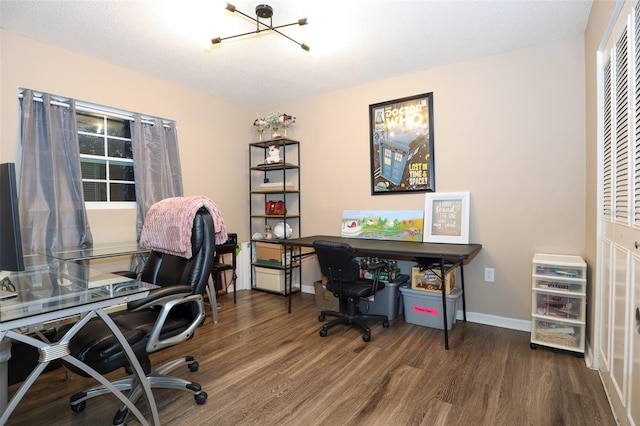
262	366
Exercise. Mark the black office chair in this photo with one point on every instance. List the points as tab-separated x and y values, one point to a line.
167	317
338	264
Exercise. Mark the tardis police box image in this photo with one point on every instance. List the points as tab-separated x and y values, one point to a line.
401	134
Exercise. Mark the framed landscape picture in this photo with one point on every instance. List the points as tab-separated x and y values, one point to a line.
401	145
446	217
394	225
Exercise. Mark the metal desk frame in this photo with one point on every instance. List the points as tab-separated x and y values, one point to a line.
10	328
445	256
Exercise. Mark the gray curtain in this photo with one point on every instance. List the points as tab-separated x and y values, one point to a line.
156	164
52	210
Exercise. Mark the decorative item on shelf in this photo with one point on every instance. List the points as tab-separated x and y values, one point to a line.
279	123
273	155
261	125
275	208
287	121
282	230
273	120
268	233
276	132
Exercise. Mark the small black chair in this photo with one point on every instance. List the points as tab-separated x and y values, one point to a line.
167	317
339	266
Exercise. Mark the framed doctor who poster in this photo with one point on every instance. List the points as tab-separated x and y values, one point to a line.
401	135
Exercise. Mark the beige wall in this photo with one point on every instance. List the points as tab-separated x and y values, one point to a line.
212	133
509	128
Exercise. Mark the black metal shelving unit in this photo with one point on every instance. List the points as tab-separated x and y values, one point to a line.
274	182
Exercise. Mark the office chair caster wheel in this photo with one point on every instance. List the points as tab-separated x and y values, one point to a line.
385	324
320	317
323	332
80	406
201	398
193	366
366	337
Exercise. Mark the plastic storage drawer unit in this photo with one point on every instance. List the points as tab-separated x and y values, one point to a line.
425	308
560	306
558	302
558	334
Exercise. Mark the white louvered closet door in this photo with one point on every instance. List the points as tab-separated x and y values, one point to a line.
618	295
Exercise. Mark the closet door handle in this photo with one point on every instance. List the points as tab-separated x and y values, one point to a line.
638	320
637	245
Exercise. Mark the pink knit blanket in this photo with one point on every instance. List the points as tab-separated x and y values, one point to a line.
168	224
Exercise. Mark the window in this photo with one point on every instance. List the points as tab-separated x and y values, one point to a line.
106	157
106	138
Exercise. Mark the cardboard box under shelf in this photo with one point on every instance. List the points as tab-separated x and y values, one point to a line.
325	300
271	254
272	279
429	280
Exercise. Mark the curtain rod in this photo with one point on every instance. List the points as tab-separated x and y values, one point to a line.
81	107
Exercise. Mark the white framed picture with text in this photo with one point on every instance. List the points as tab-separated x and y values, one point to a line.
446	217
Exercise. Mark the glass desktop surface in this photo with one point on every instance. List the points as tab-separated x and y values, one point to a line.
48	284
99	251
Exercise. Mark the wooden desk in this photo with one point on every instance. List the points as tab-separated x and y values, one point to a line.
442	256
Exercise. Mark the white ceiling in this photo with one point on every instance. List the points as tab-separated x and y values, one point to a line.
352	41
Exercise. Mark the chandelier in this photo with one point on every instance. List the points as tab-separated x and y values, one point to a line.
263	12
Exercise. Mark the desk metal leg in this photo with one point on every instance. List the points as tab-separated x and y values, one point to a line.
289	274
234	279
213	299
133	361
234	276
52	351
464	303
444	304
5	355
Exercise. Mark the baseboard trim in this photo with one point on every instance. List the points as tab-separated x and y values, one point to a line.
496	321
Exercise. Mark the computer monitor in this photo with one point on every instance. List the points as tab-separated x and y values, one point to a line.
11	258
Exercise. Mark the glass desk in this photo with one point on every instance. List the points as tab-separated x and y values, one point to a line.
100	251
49	291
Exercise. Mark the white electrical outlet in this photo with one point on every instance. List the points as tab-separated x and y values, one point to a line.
489	275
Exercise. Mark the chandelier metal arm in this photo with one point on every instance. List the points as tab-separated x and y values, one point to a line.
219	39
304	46
257	21
268	27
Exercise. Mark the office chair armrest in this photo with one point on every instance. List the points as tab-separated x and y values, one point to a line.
156	296
155	343
376	276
